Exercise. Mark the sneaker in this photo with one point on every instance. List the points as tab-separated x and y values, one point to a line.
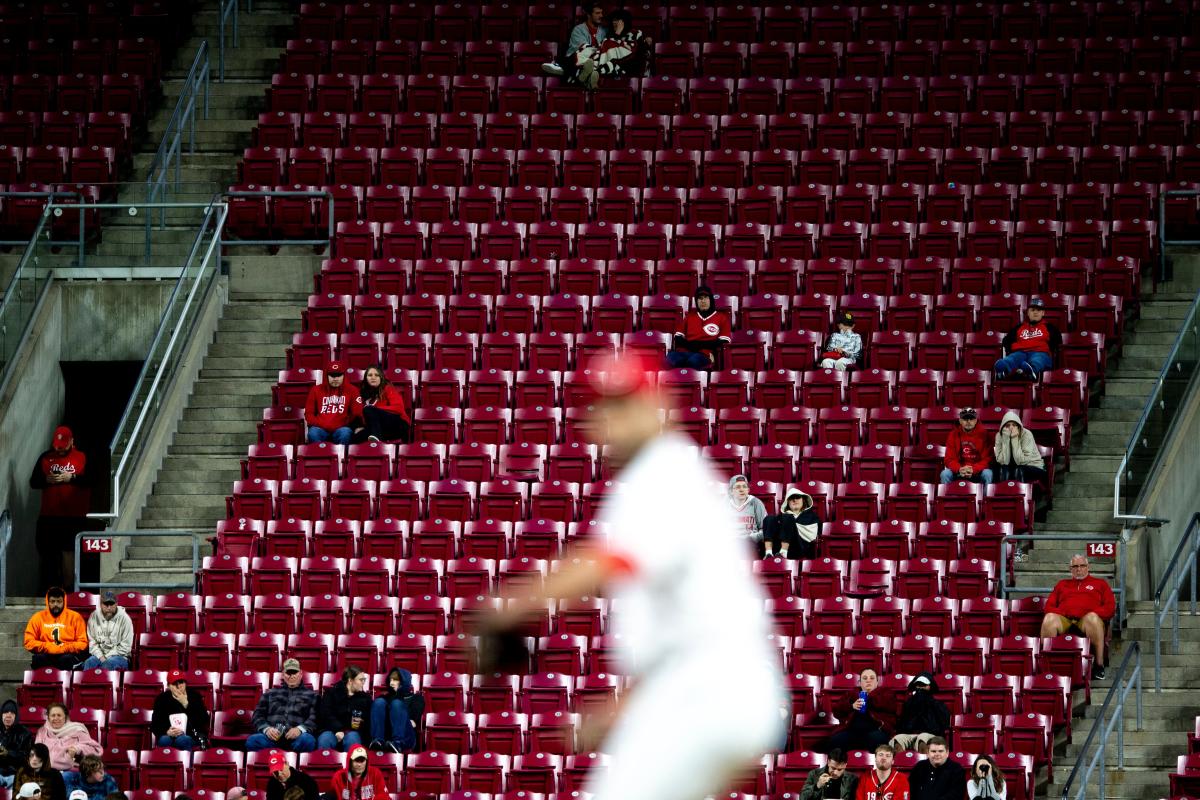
768	556
1098	672
588	76
395	748
377	745
552	68
373	439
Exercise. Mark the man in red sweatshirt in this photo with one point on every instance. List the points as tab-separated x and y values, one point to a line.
62	474
359	780
883	781
1081	602
330	410
968	451
704	333
1029	348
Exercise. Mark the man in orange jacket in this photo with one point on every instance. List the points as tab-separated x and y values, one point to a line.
57	637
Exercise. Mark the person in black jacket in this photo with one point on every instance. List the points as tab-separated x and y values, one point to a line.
396	714
15	743
793	532
286	779
179	719
344	711
922	716
937	777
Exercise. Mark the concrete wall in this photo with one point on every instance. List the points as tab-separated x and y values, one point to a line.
111	320
30	409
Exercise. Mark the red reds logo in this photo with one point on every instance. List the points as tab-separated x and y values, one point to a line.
334	404
1030	333
712	328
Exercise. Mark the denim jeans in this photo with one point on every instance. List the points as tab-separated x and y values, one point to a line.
1031	361
984	476
7	780
328	740
181	742
339	436
391	717
113	662
304	743
682	359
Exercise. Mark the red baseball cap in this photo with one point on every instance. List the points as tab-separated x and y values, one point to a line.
613	376
62	436
277	761
176	675
335	368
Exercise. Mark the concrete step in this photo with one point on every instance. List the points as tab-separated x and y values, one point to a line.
228	389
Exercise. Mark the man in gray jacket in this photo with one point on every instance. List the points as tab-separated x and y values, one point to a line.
110	635
831	780
590	31
748	509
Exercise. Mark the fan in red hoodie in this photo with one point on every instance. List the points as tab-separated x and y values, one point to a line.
359	780
704	333
381	408
883	782
62	475
331	407
1081	602
968	451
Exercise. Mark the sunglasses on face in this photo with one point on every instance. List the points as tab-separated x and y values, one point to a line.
292	672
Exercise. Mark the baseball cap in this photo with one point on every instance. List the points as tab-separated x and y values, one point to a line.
611	377
290	665
78	794
62	436
108	596
703	291
1037	302
922	679
968	413
276	762
30	789
175	675
845	318
358	751
335	368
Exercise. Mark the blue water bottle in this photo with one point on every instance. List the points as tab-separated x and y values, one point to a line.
863	696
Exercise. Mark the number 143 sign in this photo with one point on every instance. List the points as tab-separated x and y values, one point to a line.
1102	549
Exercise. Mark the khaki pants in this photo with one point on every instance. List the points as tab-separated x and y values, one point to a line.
910	741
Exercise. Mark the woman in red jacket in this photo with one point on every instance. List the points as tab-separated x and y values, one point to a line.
359	780
382	410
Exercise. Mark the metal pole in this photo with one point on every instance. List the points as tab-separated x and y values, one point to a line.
1162	239
1121	554
1138	698
81	246
1119	713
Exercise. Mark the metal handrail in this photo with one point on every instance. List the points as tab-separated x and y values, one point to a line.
50	196
215	213
229	10
6	372
1118	694
286	193
1118	591
1172	573
169	153
100	585
5	538
1163	243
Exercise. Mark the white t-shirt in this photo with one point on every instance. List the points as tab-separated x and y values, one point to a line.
691	592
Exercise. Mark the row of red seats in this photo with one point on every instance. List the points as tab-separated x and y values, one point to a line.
707	128
1185	780
68	129
65	25
779	58
22	206
742	22
49	163
733	277
92	55
678	78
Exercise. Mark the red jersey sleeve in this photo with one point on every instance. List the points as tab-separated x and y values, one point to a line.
391	401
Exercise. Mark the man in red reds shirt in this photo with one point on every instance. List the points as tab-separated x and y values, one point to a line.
331	407
1084	603
883	782
61	474
704	333
968	451
1029	347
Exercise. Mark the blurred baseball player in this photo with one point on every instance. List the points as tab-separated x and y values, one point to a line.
688	614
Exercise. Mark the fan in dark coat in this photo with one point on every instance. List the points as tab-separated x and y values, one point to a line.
922	716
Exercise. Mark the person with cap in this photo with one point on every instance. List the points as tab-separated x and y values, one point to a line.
1016	452
110	635
91	779
359	780
748	509
285	779
685	607
867	715
286	715
38	774
15	741
967	457
57	636
793	532
843	348
938	777
62	475
179	719
332	407
344	711
922	717
830	781
705	332
1029	348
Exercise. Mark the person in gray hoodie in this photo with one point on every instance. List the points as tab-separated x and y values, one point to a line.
793	532
748	509
1016	453
110	635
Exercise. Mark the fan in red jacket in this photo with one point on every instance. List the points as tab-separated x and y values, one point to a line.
704	333
62	475
381	408
883	782
359	780
968	451
1082	602
331	408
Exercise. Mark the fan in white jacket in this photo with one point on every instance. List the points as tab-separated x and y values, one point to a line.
110	635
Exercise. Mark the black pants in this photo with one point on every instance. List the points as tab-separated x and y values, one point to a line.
858	737
59	660
781	529
55	536
383	425
1012	472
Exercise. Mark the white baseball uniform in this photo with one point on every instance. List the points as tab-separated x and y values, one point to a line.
708	695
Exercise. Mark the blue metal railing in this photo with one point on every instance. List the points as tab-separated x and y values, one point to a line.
1181	565
1128	678
229	16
